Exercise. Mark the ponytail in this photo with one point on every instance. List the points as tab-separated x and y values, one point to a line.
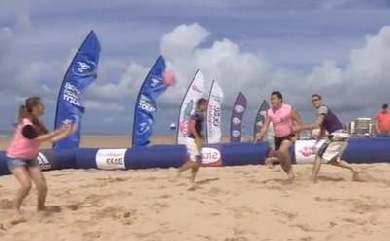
23	113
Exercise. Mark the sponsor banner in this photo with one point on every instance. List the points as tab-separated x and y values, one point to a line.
111	159
211	156
146	105
79	75
237	116
213	115
260	120
188	105
305	150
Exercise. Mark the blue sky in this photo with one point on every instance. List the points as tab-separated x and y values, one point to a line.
338	48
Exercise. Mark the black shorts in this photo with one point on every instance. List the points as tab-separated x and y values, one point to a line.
279	140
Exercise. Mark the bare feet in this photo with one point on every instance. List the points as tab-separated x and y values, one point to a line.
291	176
269	162
192	187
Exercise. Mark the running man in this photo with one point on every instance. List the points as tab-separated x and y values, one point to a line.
194	141
282	117
331	150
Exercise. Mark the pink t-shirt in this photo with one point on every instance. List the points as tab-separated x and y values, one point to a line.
282	120
22	147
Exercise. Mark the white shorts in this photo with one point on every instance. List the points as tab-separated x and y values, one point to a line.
192	149
333	148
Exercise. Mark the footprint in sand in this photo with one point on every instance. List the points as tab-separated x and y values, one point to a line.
95	200
126	217
285	214
255	181
11	223
325	199
236	239
307	228
243	211
159	206
309	238
366	177
6	204
90	236
214	191
355	221
165	196
364	207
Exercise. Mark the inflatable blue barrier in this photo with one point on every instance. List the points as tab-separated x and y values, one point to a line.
367	150
159	156
3	164
165	156
359	150
48	160
234	154
85	158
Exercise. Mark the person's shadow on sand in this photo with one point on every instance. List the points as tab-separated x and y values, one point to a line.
60	208
208	180
330	179
277	180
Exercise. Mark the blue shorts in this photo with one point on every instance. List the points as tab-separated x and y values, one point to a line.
13	163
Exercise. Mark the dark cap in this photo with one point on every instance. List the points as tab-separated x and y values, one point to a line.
384	106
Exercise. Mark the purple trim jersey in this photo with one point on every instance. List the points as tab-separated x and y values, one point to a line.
331	123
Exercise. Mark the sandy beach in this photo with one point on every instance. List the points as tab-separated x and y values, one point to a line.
231	204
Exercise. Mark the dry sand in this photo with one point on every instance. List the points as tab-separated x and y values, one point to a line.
230	204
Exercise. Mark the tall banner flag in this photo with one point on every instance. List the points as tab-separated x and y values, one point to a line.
80	74
260	119
155	83
237	116
213	115
187	107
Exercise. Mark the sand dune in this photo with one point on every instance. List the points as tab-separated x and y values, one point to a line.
231	204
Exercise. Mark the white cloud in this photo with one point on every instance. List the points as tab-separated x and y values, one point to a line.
374	59
250	72
182	41
356	89
308	54
112	89
103	106
223	61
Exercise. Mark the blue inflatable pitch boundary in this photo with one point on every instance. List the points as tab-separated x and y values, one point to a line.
359	150
157	156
